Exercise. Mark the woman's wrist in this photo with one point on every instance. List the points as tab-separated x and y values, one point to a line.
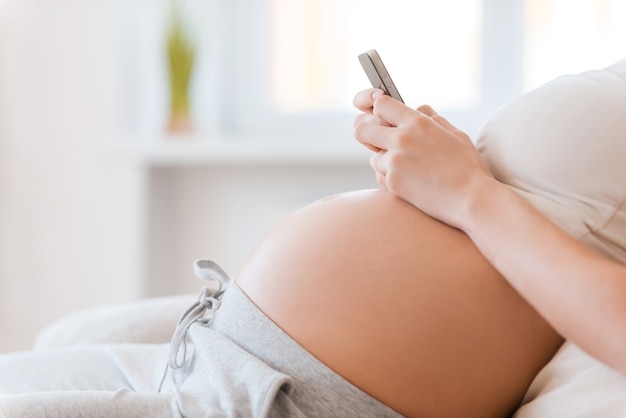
481	198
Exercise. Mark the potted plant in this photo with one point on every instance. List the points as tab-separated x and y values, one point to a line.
180	55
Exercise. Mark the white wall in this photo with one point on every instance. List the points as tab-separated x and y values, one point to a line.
68	217
223	211
82	224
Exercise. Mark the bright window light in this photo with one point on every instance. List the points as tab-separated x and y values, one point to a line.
432	50
569	36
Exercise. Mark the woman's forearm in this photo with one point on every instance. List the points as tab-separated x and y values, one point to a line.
580	293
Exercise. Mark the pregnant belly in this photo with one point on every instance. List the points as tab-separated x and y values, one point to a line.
401	305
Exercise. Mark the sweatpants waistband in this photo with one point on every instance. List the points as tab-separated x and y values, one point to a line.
318	390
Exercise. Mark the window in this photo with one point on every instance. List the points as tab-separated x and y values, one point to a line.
314	45
303	68
284	67
565	36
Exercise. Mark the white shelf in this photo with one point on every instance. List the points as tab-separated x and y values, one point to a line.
184	151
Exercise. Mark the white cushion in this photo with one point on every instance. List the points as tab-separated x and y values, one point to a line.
575	385
147	321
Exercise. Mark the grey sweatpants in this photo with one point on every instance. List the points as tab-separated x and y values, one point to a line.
243	365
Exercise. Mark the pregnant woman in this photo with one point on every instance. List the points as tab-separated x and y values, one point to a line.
442	294
406	307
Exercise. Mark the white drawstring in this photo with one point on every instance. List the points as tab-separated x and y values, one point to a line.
200	312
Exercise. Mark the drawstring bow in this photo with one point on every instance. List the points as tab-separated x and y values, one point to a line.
201	312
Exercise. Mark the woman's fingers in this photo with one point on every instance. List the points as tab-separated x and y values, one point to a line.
427	110
364	100
394	111
376	164
374	137
374	161
370	119
430	112
382	181
361	123
364	122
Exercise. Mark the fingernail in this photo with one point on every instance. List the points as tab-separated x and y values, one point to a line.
377	94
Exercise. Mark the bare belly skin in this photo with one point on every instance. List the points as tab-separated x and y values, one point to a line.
401	305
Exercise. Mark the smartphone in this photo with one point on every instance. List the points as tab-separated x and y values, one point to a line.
377	73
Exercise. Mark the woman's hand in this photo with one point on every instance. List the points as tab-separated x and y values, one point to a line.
423	159
419	155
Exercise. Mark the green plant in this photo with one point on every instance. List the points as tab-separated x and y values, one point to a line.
181	54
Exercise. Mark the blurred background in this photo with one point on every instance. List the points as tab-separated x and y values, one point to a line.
139	135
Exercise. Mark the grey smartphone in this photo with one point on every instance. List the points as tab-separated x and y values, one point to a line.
377	73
